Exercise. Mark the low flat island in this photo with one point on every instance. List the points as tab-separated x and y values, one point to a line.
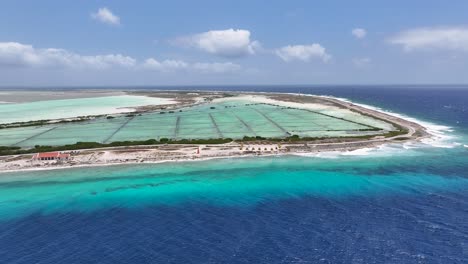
196	125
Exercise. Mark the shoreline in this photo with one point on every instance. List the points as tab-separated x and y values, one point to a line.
141	163
48	167
154	154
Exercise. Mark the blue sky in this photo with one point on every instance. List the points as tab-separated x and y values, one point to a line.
232	42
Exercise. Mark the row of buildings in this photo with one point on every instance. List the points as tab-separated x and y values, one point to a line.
51	156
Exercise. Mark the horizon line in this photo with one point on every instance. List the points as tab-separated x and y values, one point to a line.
223	85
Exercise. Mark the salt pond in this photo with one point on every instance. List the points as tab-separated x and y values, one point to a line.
67	108
226	119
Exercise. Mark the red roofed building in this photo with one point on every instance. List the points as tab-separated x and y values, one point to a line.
51	156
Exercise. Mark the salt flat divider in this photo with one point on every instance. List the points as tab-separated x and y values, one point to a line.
339	118
220	135
246	125
118	129
33	136
177	127
273	122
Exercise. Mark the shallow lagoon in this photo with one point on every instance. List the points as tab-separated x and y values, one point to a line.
67	108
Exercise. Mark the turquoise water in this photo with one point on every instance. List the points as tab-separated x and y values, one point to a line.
227	182
398	204
66	108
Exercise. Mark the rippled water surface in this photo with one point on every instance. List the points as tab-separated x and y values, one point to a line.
393	205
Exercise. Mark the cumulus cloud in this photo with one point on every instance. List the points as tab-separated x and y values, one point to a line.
216	67
166	65
436	38
225	43
14	54
303	52
106	16
17	54
203	67
359	33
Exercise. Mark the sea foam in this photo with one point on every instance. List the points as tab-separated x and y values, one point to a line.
441	137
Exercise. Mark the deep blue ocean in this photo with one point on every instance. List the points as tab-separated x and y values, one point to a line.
399	204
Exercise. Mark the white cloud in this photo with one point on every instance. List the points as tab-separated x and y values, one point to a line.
106	16
359	33
17	54
362	62
166	65
174	65
303	52
438	38
226	43
216	67
13	54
